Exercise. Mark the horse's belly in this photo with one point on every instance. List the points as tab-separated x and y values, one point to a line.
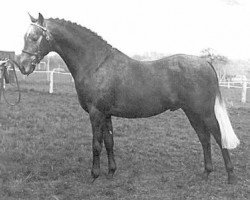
135	114
141	109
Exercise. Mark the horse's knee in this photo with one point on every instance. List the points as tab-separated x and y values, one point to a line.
97	147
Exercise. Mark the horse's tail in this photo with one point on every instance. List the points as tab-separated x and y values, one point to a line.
229	139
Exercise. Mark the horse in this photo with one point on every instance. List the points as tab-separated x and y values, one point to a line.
110	83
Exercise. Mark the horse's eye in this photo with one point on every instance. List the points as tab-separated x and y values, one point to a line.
34	38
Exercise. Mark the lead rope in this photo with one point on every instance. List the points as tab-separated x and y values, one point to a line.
2	90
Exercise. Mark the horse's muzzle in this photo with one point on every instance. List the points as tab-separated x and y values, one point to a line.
28	69
25	70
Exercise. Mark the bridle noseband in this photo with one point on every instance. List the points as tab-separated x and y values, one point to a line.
48	37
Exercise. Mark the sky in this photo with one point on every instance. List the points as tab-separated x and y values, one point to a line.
139	26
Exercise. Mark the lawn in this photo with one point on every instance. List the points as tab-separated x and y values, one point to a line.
46	153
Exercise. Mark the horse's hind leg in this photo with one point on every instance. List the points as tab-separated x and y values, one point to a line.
204	137
213	127
109	144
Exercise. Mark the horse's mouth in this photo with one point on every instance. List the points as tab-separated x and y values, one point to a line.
29	71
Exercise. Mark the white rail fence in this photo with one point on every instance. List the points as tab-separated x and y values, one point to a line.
50	78
243	85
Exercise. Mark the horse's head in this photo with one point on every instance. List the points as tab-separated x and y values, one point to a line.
37	44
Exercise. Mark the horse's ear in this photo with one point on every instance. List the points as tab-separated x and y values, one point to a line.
40	19
33	20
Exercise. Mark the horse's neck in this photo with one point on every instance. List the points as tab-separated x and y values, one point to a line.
79	51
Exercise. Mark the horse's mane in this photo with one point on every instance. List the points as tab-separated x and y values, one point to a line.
79	27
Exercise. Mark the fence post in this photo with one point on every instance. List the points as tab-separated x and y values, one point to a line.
51	81
48	68
228	84
4	83
244	91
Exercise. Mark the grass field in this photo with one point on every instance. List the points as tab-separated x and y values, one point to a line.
45	152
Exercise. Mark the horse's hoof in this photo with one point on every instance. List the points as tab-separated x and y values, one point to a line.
205	175
95	174
92	180
232	179
110	174
93	177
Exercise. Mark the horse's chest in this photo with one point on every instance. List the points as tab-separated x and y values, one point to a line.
96	91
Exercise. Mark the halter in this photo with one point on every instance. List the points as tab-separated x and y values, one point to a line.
48	38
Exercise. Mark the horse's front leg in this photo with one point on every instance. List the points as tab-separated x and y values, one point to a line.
102	130
109	144
97	120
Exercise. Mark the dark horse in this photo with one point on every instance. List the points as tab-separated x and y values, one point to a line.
109	83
